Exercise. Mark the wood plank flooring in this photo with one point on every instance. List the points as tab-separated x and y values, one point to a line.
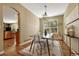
59	49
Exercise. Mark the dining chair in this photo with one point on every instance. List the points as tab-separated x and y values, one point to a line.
37	44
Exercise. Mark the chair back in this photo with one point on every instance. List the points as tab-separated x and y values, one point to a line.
36	37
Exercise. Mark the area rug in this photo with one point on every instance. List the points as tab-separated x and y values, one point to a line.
55	50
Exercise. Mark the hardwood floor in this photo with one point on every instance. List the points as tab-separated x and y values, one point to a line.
8	43
65	49
59	49
11	49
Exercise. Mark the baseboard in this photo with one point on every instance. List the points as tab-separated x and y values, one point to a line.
1	52
25	42
72	50
75	53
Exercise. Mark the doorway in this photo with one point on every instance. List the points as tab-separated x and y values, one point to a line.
11	30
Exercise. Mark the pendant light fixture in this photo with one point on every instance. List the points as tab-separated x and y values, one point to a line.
45	13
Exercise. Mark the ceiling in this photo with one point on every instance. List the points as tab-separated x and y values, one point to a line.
53	9
9	15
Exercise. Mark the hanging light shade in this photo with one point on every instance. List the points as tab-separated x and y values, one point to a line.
45	14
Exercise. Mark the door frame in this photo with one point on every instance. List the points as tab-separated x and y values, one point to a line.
18	32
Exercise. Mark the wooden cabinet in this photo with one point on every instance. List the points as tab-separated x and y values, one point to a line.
17	38
8	35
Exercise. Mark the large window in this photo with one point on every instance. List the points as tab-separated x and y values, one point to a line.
50	26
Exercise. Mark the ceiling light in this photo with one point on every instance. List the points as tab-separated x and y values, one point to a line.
45	13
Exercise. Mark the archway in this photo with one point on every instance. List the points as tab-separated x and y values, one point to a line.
11	33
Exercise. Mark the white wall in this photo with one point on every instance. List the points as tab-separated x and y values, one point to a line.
29	23
1	30
71	14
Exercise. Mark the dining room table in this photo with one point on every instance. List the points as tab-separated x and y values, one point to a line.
47	38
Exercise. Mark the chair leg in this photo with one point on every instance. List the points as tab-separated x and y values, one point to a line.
41	51
40	48
44	48
33	49
37	51
31	45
